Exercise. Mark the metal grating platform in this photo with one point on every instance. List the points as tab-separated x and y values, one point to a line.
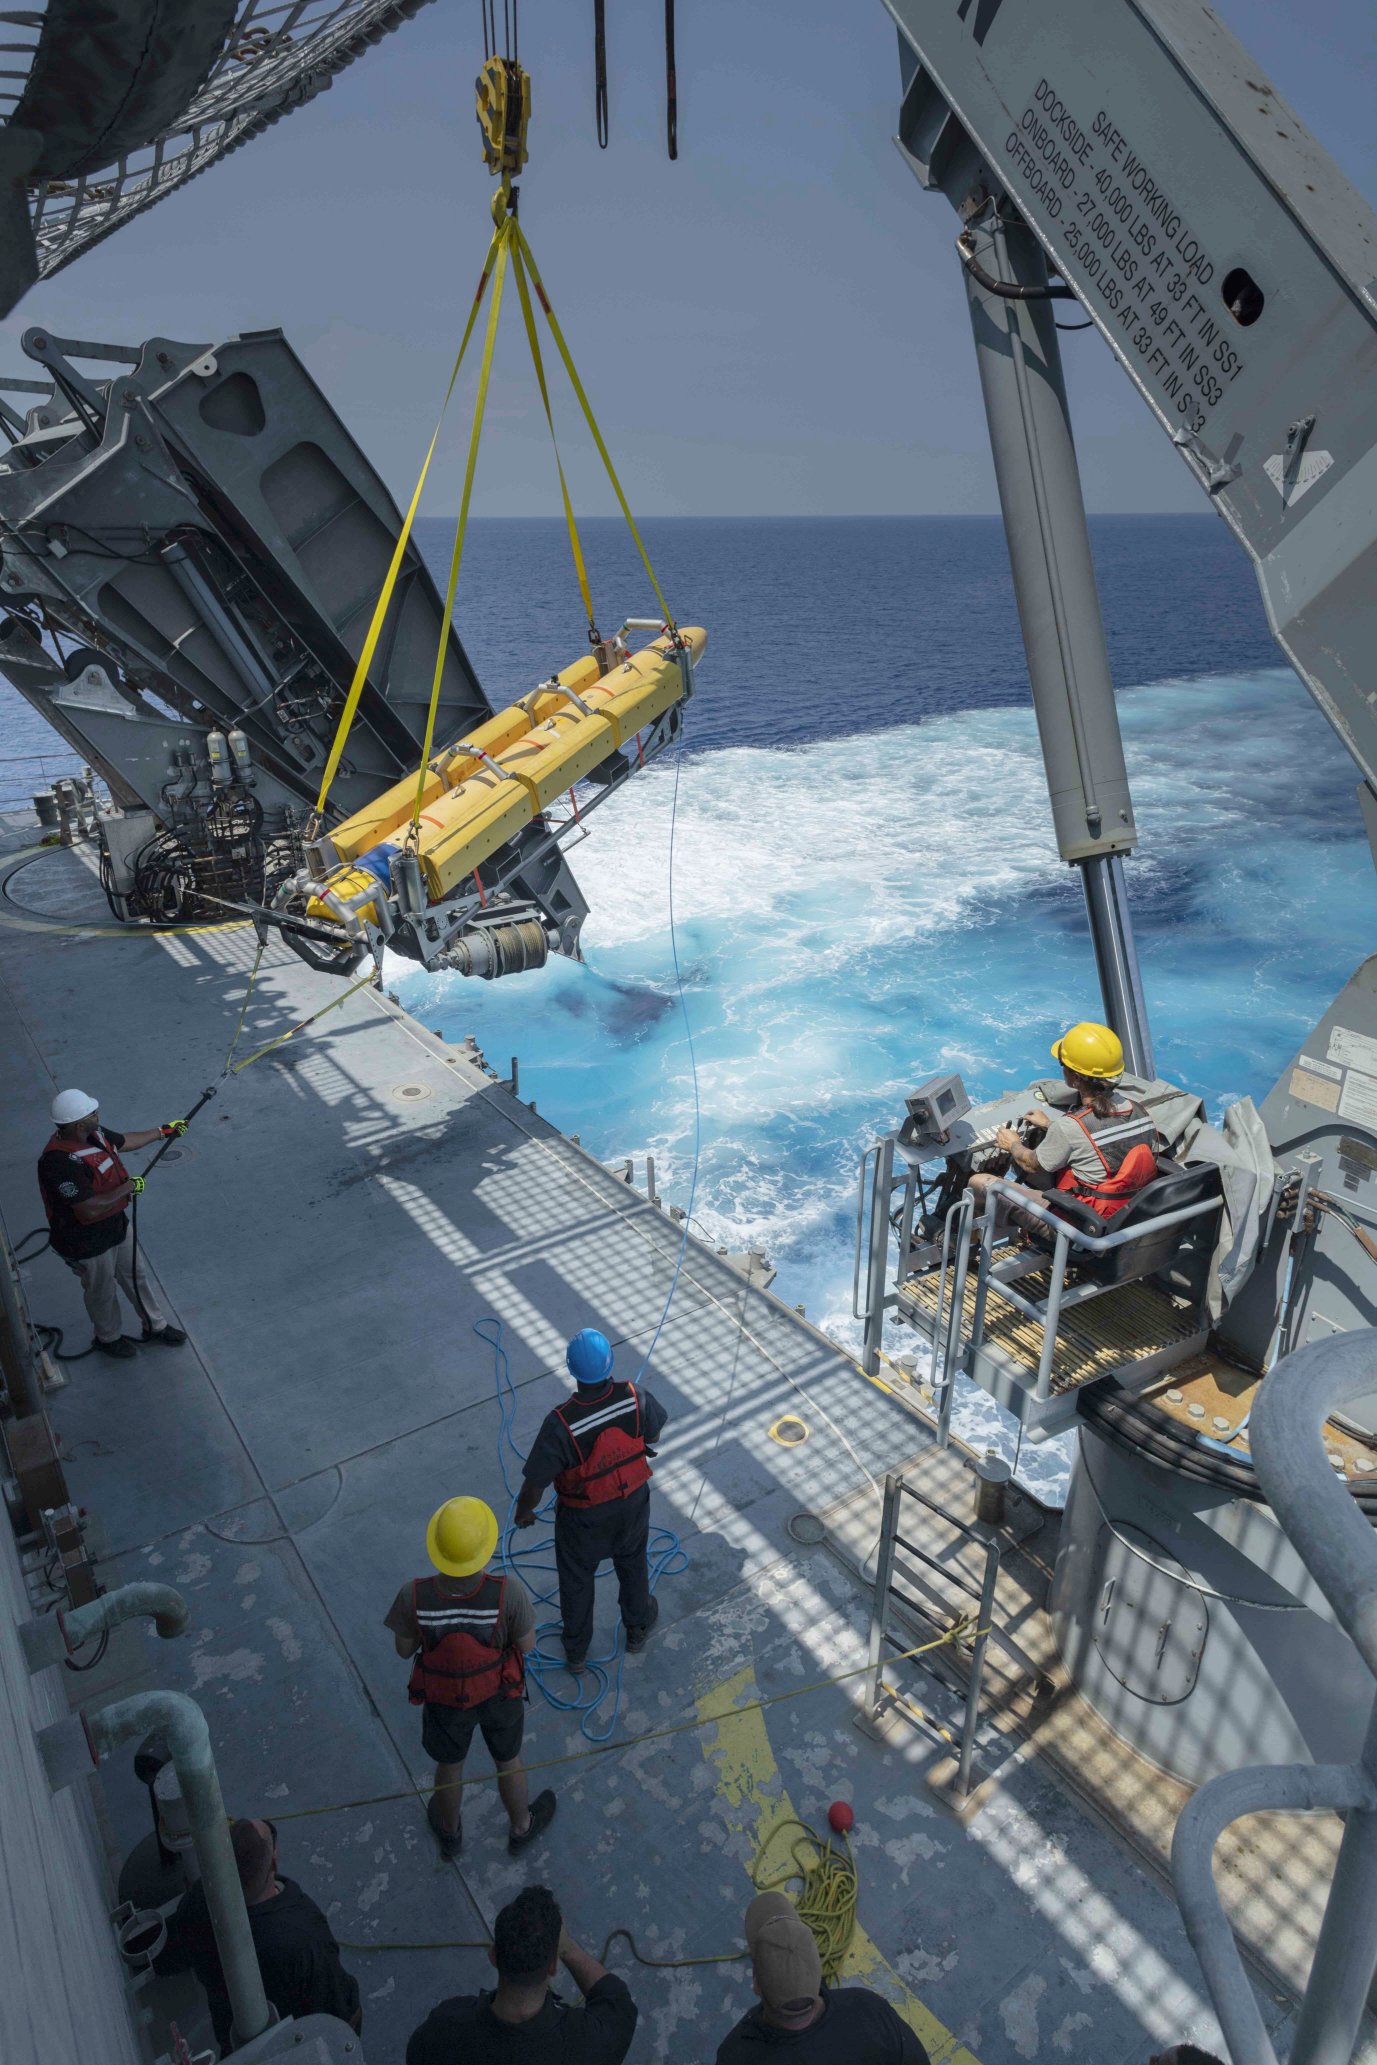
1126	1327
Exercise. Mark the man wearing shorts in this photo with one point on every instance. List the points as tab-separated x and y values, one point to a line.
469	1630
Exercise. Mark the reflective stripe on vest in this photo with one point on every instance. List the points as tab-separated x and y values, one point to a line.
461	1661
1124	1141
607	1438
101	1164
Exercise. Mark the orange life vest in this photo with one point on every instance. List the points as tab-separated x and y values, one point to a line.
606	1433
461	1661
1123	1139
100	1162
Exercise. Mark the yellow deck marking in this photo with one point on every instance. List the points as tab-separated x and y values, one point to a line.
749	1782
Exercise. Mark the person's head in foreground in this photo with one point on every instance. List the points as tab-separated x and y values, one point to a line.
525	1940
786	1970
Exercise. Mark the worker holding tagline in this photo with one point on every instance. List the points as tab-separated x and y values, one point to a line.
85	1188
594	1450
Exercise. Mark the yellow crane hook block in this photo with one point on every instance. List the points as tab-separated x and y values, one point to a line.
504	111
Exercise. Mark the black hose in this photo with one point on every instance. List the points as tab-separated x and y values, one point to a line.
348	956
199	1105
671	84
134	1263
46	1242
600	69
1055	290
51	1337
91	1662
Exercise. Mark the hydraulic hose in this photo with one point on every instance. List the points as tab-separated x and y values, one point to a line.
198	1106
1007	290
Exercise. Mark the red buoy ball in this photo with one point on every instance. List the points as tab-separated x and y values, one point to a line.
841	1817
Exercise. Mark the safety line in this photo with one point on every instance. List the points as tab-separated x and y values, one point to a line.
253	977
502	242
658	1964
962	1631
292	1031
693	1070
370	643
590	418
533	339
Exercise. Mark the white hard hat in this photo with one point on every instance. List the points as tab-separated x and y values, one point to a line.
71	1105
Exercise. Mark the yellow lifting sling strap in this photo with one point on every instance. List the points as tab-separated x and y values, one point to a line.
379	618
508	245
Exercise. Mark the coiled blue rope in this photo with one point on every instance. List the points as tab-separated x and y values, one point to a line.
534	1563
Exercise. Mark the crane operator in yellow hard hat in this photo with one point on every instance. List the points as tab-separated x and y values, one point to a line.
1102	1149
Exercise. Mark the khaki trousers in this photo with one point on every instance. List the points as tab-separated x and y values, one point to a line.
100	1274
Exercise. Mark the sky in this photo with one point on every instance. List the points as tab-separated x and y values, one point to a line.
773	325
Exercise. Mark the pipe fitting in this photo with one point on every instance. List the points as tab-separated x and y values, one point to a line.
50	1638
183	1727
1320	1515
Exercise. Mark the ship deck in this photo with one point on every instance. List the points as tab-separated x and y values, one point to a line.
334	1225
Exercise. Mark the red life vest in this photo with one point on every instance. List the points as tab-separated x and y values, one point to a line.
1123	1139
607	1438
97	1157
461	1661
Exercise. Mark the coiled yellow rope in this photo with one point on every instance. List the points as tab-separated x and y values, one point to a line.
828	1887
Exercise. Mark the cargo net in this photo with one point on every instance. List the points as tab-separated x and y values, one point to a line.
207	871
277	56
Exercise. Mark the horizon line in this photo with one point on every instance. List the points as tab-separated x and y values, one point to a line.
811	516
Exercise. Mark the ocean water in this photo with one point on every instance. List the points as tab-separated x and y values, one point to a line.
866	885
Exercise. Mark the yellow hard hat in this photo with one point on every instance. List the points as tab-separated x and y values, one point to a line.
461	1536
1090	1050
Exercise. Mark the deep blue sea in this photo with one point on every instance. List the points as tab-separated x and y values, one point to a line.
866	886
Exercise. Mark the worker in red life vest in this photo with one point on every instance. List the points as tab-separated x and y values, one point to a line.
1103	1149
593	1449
85	1189
470	1630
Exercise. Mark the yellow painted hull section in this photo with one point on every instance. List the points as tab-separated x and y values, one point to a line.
542	745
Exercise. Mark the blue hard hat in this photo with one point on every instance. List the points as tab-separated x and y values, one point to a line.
589	1356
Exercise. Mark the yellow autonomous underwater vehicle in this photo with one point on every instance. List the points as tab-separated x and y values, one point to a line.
449	883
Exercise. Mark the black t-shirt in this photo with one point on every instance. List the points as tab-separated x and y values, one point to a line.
65	1182
465	2031
297	1955
856	2027
553	1449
